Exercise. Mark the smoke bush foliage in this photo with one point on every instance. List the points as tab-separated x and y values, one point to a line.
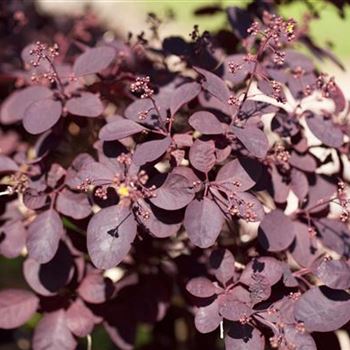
152	180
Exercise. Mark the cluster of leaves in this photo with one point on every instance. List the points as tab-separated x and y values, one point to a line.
176	170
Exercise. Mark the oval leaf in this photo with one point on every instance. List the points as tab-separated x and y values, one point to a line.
254	140
14	107
16	307
203	222
276	231
184	94
201	287
202	155
323	309
175	193
206	123
42	115
151	150
109	236
86	105
52	333
93	60
119	129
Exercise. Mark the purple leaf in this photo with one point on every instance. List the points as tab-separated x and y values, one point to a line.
175	193
151	150
202	155
52	333
222	263
7	165
42	115
14	239
95	289
325	130
14	107
232	309
119	129
207	318
334	273
299	184
86	105
203	222
44	234
232	173
335	234
268	268
17	306
206	123
276	231
244	337
74	205
98	173
80	320
109	236
323	309
201	287
159	223
215	85
48	279
298	339
303	250
253	139
94	60
184	94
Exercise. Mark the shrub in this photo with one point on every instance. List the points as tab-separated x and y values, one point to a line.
147	180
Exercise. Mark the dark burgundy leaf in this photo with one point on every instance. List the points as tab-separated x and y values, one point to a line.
94	60
98	173
109	236
175	193
42	115
184	94
202	155
119	129
299	184
276	231
232	173
159	223
206	123
17	306
215	85
253	139
86	105
323	309
201	287
52	333
44	234
240	20
74	205
14	107
325	130
151	150
203	222
207	318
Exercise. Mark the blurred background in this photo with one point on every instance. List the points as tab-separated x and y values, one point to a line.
178	18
